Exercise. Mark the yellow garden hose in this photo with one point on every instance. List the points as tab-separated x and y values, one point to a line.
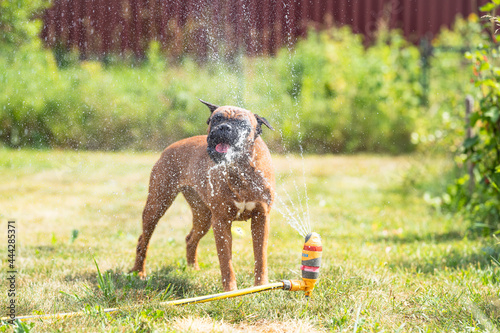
228	294
311	260
199	299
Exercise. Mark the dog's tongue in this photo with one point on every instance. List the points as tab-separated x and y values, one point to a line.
222	147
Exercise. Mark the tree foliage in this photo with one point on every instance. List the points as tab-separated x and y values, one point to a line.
18	23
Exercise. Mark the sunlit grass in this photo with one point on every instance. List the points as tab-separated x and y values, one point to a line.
391	261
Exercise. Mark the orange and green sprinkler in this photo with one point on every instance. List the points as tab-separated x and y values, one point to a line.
311	261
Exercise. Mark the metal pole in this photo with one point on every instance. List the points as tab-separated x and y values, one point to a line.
469	105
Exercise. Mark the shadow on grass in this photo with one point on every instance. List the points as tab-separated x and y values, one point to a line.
483	259
166	277
111	288
43	249
409	238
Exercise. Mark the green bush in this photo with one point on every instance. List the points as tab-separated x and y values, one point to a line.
479	198
349	98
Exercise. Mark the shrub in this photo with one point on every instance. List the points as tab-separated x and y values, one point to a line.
481	202
351	98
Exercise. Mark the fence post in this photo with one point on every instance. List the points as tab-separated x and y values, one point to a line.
425	54
469	104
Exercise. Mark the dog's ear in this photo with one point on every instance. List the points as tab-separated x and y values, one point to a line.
211	107
260	122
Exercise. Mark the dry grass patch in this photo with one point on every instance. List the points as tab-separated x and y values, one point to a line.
206	324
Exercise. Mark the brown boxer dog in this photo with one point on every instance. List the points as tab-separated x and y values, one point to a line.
225	176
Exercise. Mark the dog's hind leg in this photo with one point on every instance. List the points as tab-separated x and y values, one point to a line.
162	192
201	225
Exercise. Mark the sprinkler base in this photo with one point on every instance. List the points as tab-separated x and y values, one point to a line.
306	285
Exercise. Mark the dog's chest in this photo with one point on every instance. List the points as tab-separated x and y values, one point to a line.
245	184
244	205
244	209
247	191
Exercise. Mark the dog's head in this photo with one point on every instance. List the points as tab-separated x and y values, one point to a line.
232	132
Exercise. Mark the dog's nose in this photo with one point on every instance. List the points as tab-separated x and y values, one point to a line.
224	128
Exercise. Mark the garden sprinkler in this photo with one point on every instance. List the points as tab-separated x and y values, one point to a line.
311	261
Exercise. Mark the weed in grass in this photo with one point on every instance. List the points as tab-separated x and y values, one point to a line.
17	326
53	239
105	283
340	319
74	236
165	294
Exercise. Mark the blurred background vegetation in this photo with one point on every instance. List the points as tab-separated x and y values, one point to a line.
330	94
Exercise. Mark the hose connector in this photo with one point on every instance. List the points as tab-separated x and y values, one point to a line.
311	261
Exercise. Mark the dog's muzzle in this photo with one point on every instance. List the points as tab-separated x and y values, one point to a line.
225	142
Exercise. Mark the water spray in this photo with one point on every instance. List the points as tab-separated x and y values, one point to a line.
311	261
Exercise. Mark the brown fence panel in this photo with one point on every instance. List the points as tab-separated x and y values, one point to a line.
203	27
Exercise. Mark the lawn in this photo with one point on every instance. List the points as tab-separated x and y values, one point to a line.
392	260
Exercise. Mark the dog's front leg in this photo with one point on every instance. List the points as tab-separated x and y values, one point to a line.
260	235
223	241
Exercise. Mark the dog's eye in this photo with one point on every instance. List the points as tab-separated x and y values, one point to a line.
216	119
242	123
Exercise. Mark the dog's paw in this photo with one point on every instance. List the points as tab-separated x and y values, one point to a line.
140	274
194	266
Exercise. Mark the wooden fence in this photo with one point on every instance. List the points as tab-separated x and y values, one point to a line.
202	27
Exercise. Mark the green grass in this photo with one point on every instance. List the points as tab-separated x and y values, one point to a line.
392	262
